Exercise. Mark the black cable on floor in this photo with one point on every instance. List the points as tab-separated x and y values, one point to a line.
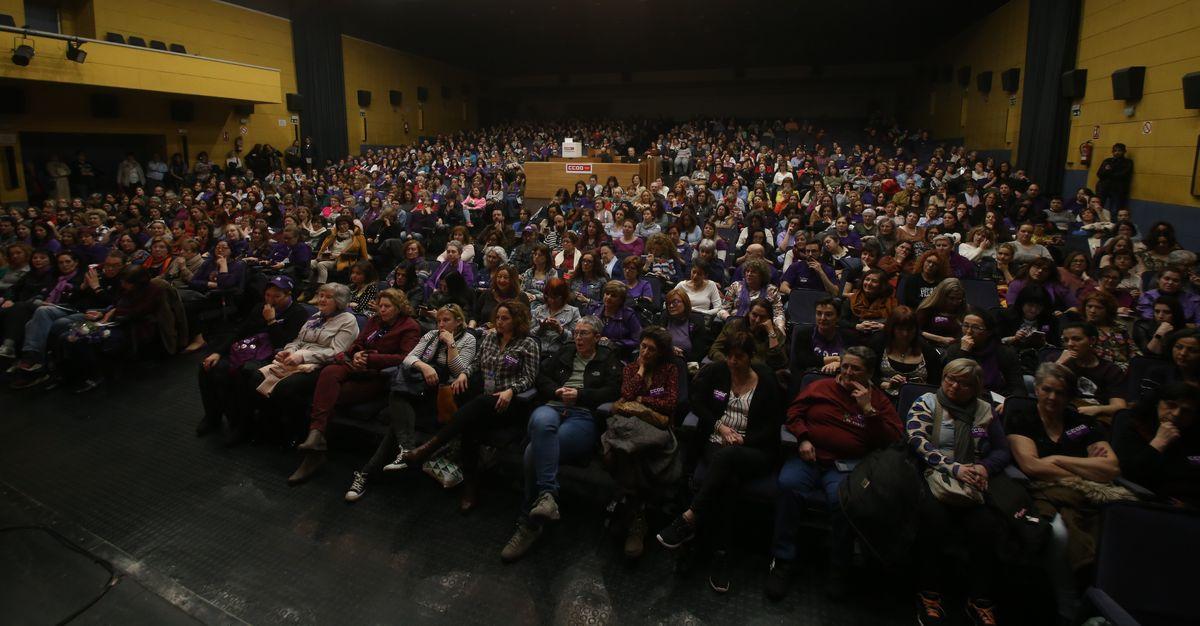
113	577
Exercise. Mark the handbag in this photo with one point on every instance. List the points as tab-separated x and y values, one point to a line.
442	468
631	408
253	348
946	488
409	382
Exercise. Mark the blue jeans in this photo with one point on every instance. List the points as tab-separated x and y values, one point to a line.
798	482
46	321
556	434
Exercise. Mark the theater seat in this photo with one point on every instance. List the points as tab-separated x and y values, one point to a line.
137	41
158	45
7	20
178	48
114	38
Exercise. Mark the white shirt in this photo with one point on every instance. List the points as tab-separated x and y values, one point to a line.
706	300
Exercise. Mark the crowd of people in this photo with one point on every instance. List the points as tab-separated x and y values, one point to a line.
781	305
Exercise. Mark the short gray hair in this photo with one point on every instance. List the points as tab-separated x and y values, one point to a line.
864	353
339	292
708	245
591	321
500	252
454	243
1054	370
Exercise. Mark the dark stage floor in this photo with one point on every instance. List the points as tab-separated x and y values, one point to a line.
220	535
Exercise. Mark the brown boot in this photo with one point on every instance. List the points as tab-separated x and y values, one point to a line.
312	462
315	442
421	453
469	497
635	537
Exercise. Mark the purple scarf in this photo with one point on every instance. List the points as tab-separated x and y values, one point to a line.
61	288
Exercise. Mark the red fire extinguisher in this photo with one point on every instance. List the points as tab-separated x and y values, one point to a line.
1085	153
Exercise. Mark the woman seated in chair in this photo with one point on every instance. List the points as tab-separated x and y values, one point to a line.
1183	351
553	319
440	356
1115	342
507	359
867	309
740	408
689	329
353	375
635	286
904	355
1044	273
452	263
364	290
289	380
220	274
755	284
639	446
1150	335
506	285
621	325
341	249
587	283
535	278
940	315
1158	443
981	343
1030	323
703	294
662	258
961	445
1071	467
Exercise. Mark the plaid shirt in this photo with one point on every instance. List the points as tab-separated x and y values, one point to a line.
515	368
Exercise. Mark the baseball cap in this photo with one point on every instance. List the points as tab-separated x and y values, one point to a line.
283	282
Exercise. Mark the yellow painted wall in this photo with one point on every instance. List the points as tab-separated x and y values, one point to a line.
995	43
379	69
1164	36
205	28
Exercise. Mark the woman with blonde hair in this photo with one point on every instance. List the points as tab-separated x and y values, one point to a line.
940	315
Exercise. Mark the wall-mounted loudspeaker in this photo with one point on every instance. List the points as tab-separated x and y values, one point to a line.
1010	80
294	102
1191	90
364	98
395	97
422	94
1127	83
964	76
447	92
984	81
244	110
183	110
1074	84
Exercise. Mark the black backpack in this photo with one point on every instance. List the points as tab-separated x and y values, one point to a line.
880	499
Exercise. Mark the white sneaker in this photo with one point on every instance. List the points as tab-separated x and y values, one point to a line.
7	351
399	463
357	488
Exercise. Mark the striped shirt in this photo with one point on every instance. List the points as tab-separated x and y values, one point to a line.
429	350
736	416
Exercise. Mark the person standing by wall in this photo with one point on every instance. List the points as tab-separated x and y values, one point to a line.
1113	179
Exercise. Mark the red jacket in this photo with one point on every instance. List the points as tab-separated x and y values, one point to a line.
826	414
385	348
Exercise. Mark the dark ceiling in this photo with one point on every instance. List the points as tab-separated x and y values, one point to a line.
564	36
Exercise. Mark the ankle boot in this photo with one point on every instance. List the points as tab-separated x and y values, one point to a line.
421	453
312	462
635	537
315	442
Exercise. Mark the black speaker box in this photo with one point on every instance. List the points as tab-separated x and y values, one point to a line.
946	74
422	94
182	110
1191	90
1074	84
1010	79
984	81
395	97
295	102
364	98
964	76
447	93
1127	83
244	110
105	105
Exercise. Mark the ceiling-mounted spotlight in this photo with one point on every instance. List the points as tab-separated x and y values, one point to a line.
22	55
75	51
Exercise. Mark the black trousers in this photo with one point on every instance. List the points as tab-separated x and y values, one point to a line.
471	423
13	320
219	387
288	406
728	468
941	526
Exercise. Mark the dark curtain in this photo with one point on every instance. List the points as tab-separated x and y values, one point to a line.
1045	114
317	46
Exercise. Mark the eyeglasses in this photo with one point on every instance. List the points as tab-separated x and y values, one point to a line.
974	328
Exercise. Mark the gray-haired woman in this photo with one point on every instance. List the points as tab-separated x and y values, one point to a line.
289	381
962	443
